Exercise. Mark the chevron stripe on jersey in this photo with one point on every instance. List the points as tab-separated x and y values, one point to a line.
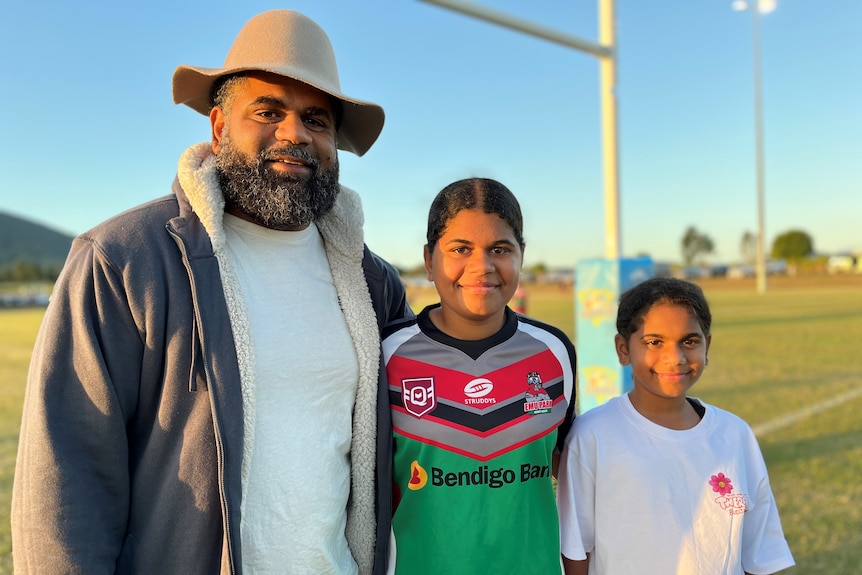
516	391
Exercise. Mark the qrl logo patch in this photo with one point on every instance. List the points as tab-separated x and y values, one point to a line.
418	395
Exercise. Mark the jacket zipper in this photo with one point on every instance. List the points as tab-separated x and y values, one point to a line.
208	370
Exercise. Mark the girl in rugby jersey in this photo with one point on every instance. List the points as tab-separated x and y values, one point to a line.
482	399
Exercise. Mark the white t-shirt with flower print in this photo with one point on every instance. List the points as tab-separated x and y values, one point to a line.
644	499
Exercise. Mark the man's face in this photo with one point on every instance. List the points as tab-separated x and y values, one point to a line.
276	152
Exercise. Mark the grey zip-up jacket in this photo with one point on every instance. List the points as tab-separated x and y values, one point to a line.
131	441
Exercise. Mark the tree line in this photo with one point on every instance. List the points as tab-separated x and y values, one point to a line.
792	245
21	271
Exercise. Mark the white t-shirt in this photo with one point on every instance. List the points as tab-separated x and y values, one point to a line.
305	378
644	499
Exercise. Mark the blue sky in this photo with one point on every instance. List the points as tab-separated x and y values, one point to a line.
90	128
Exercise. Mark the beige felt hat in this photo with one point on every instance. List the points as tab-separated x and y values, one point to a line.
289	44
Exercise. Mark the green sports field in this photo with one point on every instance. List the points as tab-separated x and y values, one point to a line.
776	359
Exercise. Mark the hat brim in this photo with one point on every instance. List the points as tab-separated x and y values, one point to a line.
361	121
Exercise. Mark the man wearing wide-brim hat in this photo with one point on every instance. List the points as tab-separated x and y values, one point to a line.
205	393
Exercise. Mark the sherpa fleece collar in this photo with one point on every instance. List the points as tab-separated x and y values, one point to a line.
342	234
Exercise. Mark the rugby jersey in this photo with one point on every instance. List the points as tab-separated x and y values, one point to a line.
475	426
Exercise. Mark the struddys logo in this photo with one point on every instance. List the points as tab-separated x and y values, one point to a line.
733	503
536	399
418	395
476	390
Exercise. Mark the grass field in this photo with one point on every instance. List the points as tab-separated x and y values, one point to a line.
772	355
17	333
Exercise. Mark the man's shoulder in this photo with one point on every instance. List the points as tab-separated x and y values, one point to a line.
138	220
388	294
378	270
137	234
373	262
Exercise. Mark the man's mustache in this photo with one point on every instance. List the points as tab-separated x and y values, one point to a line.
298	152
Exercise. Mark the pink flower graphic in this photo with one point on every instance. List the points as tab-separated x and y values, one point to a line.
721	484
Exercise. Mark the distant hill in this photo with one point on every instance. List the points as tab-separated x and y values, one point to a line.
25	241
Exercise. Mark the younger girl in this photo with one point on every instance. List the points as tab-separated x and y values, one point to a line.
656	482
481	399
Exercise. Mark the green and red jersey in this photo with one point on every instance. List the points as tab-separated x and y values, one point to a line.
475	426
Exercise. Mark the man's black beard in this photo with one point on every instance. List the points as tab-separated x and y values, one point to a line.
271	199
